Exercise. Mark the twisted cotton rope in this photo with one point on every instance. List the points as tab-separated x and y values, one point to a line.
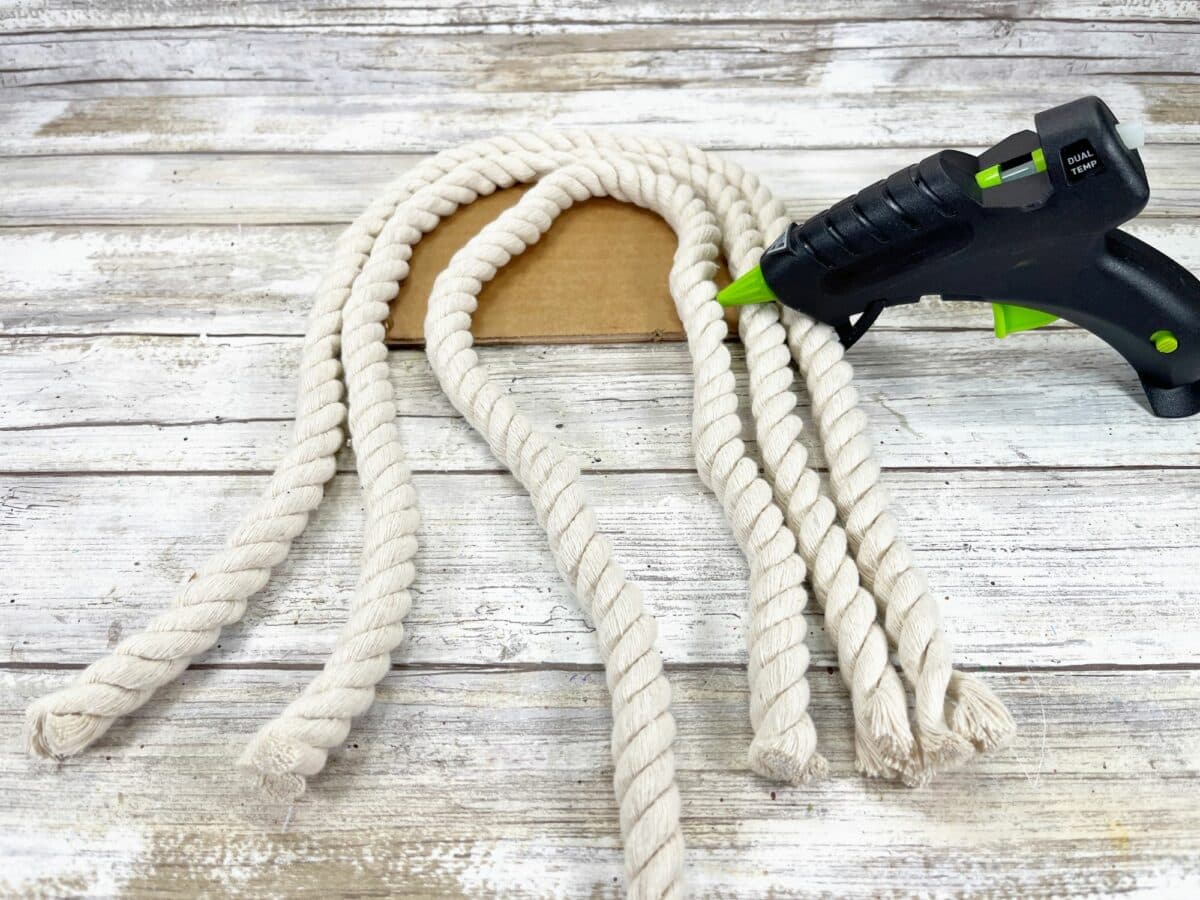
911	615
708	201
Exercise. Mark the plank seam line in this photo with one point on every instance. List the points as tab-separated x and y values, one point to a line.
297	336
11	223
53	474
419	154
598	668
384	29
283	151
184	423
598	472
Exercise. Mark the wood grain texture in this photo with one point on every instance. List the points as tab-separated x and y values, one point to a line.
174	174
17	15
818	117
119	403
851	57
843	83
1037	567
256	280
481	783
292	189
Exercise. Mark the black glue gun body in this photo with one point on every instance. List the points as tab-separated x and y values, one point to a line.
1029	225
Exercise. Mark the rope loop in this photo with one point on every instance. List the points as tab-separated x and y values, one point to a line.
846	543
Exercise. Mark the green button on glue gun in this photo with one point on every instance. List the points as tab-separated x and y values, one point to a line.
1030	225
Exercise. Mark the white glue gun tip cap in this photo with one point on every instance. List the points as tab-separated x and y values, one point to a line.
1132	134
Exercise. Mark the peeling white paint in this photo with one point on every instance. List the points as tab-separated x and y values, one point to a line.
42	861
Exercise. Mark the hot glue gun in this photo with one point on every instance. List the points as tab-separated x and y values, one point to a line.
1030	225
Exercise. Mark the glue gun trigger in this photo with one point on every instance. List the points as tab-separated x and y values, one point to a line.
849	333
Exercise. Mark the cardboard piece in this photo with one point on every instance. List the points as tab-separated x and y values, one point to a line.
599	275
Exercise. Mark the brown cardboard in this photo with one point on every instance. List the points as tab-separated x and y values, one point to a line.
600	274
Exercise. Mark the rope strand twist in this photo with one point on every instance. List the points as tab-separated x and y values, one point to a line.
846	545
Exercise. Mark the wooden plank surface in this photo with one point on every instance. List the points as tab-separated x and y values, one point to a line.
568	59
223	404
323	189
174	175
747	118
255	280
475	782
19	15
844	83
1035	568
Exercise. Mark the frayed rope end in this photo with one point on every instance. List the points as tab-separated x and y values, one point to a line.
883	739
938	751
777	759
60	735
978	714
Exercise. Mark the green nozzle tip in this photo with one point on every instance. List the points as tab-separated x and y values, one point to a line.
1011	319
750	288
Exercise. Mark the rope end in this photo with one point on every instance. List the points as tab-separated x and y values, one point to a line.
938	751
272	763
883	740
60	735
779	759
979	715
286	788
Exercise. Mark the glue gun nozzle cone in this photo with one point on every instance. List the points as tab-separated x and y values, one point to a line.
750	288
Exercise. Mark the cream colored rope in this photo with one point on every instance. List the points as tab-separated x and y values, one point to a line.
785	524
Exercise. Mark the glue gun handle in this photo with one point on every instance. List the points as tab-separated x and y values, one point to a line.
1133	293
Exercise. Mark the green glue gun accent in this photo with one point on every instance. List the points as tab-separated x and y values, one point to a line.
1010	319
749	289
1029	225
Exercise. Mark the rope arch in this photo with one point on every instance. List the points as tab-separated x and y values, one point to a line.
782	520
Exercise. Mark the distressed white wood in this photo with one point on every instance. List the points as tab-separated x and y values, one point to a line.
79	14
803	59
917	82
935	399
151	299
237	279
1038	567
477	783
187	280
289	189
818	116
